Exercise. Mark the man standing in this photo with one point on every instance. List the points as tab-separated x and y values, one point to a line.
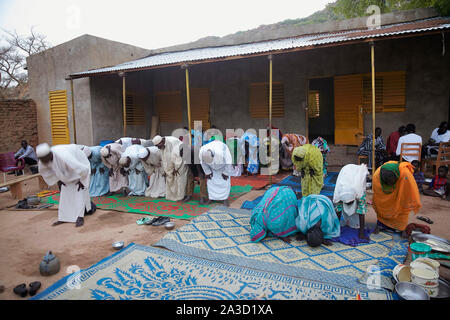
151	160
195	170
27	154
111	154
410	137
137	178
174	166
215	158
67	166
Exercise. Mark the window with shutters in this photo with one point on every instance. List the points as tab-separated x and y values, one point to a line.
58	117
200	107
313	104
168	106
259	100
134	109
390	92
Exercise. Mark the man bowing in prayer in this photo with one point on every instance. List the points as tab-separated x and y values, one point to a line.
151	160
216	161
137	178
118	179
67	166
174	166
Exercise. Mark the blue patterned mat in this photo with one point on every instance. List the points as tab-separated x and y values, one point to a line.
294	182
222	234
140	272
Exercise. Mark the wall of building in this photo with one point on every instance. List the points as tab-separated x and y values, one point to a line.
18	121
428	83
107	106
49	69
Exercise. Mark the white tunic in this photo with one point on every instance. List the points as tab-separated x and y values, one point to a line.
69	165
153	167
218	187
137	177
171	161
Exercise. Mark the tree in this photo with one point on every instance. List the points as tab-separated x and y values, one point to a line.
357	8
13	56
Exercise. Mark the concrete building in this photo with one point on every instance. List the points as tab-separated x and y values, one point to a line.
48	71
324	67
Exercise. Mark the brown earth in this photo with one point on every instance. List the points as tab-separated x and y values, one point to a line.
25	237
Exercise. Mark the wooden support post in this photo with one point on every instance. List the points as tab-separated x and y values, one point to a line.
188	101
270	119
124	100
73	112
372	50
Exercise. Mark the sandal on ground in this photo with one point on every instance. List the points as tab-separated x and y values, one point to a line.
34	287
427	220
152	221
21	290
143	221
161	221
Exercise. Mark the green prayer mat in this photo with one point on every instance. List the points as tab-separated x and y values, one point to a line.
157	207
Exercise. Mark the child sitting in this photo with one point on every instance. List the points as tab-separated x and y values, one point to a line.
439	184
418	175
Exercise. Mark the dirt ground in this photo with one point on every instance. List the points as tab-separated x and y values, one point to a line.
26	236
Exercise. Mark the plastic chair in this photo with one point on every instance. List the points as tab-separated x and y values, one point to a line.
8	164
442	159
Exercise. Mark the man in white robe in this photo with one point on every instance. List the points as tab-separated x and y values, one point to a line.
69	168
127	141
137	178
216	161
152	162
174	166
118	180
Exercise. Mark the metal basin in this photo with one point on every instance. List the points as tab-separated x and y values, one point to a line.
411	291
169	225
118	245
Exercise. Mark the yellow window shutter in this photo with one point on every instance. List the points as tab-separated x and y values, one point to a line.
58	117
259	100
134	109
168	106
390	91
200	107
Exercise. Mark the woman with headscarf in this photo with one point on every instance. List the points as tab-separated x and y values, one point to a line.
99	183
274	215
395	195
308	161
322	144
350	197
317	221
249	143
289	142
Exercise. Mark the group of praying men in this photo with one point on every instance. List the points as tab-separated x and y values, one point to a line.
161	167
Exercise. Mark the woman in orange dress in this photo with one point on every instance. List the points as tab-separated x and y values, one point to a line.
395	195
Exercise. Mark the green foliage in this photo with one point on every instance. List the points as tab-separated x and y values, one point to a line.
357	8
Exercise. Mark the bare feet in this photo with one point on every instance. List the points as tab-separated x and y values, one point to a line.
80	222
57	223
327	242
226	203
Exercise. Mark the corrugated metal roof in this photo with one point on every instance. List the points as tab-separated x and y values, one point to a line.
248	49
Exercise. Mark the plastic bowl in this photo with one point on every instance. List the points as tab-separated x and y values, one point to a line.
118	245
411	291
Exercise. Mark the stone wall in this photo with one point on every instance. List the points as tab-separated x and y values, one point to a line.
18	121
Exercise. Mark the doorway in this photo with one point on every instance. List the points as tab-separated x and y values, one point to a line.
321	109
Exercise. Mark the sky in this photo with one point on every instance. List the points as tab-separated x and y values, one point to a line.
149	24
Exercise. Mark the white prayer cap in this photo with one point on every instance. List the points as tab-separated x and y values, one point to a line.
157	140
87	151
123	161
104	152
143	152
208	156
42	150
